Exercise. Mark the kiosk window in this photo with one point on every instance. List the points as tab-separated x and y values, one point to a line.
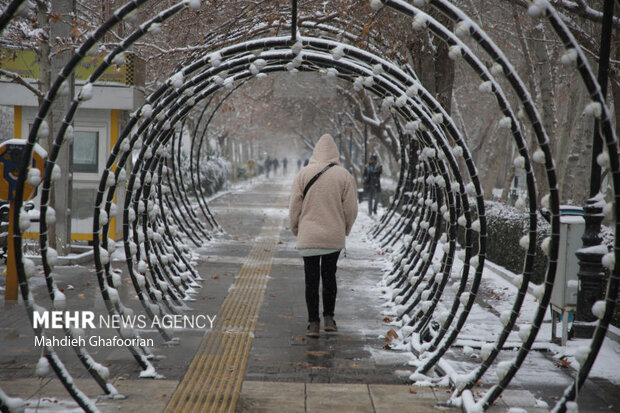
86	151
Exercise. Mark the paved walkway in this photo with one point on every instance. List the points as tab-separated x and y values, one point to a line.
256	358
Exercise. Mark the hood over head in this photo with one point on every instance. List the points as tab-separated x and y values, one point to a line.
325	151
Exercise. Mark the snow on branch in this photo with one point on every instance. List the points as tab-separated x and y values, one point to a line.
578	7
15	78
371	121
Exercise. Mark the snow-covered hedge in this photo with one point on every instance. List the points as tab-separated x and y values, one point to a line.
505	227
214	173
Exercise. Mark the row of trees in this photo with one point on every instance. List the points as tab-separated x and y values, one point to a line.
533	49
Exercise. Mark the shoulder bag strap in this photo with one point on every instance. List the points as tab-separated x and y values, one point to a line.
314	178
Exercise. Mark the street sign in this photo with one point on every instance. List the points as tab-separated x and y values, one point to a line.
251	164
11	156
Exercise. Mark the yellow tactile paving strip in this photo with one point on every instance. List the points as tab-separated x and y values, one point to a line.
213	379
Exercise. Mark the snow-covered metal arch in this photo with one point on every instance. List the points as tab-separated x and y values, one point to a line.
433	192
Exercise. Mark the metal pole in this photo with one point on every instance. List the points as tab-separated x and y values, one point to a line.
365	144
11	287
591	273
603	75
294	21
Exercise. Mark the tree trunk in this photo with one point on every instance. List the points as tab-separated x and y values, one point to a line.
545	85
61	55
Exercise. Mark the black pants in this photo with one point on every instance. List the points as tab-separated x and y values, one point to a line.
317	267
374	195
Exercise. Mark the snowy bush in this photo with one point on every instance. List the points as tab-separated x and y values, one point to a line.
505	227
242	172
214	173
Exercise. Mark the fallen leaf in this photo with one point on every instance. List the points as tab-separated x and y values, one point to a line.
216	276
316	353
162	395
479	383
390	335
412	391
272	295
387	320
387	347
81	296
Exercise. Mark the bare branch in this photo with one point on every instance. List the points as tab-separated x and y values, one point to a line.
15	78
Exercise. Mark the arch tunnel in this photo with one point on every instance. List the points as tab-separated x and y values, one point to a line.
438	195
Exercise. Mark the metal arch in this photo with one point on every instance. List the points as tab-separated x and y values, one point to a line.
29	303
426	189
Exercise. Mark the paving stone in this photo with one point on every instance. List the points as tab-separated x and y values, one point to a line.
345	371
394	398
51	396
338	398
262	396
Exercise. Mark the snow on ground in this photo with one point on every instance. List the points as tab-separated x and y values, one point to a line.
607	365
52	404
483	324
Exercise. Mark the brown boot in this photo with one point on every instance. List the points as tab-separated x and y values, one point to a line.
313	329
330	324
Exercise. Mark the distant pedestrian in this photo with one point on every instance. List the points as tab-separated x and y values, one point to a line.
284	164
275	164
372	183
322	210
267	166
298	164
306	162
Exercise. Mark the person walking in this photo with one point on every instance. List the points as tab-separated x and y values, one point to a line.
322	210
372	183
284	165
267	165
275	163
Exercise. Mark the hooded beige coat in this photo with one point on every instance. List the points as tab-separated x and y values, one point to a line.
325	217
